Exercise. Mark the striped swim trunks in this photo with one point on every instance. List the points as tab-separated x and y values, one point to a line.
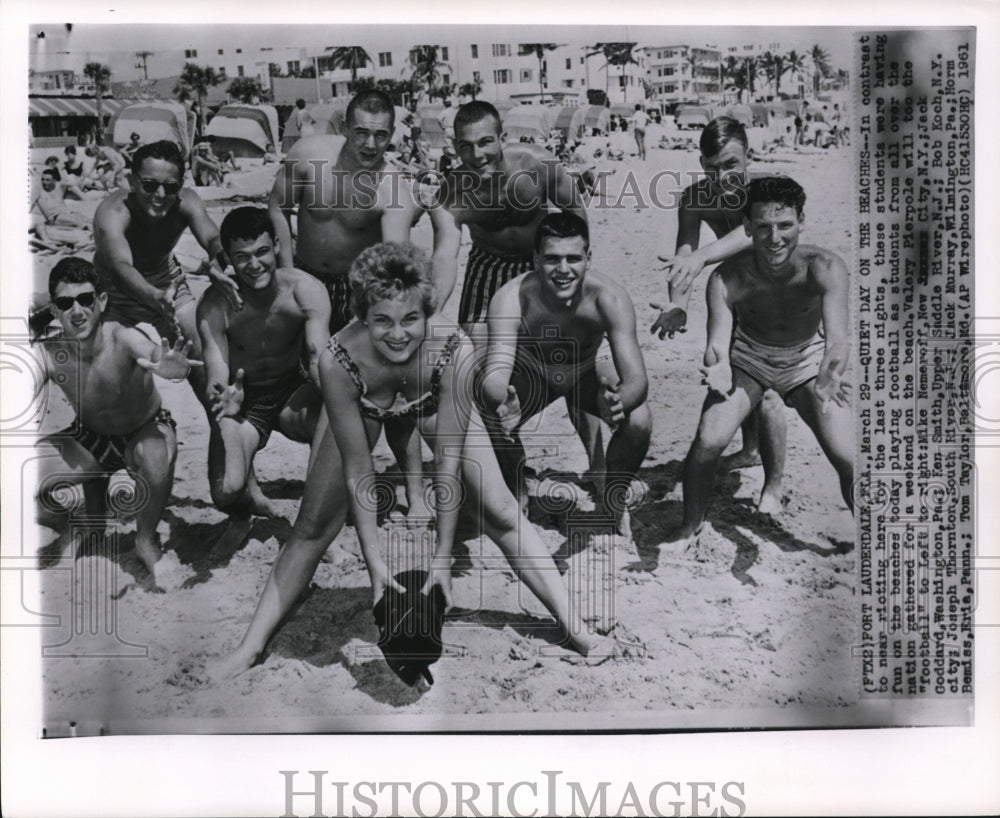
484	275
128	312
339	290
108	450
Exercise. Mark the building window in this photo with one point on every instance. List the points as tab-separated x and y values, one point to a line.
384	59
526	74
222	72
668	71
293	67
444	53
569	63
239	50
446	79
475	51
476	77
567	83
190	53
499	50
221	52
239	71
501	76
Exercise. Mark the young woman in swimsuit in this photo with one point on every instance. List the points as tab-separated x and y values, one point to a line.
399	359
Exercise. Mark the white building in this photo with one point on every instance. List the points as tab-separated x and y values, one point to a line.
683	73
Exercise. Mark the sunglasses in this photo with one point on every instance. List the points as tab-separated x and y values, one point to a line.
66	302
150	186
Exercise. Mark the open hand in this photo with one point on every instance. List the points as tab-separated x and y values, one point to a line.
226	401
832	387
718	378
682	270
225	281
672	319
172	363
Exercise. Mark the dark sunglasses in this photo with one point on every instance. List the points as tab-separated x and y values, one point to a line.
150	186
66	302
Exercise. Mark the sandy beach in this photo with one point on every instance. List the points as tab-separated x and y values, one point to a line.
751	626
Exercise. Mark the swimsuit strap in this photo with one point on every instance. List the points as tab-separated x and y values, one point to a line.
453	342
344	359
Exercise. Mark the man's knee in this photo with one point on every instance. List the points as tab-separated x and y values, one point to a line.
640	421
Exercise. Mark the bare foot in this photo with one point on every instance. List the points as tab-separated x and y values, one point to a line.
680	540
263	506
338	555
739	460
591	651
229	666
149	552
770	501
169	573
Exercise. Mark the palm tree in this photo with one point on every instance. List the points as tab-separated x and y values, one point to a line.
538	49
821	66
734	76
750	68
195	81
350	57
774	69
794	62
471	89
248	90
100	77
694	61
424	69
618	54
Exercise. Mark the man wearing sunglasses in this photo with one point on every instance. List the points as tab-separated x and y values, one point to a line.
105	371
136	231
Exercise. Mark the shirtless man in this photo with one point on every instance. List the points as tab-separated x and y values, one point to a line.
104	369
108	172
253	358
789	302
501	192
50	200
346	201
640	119
136	230
545	328
717	201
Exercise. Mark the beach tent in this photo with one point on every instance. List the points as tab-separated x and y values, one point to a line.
153	121
596	117
571	120
741	113
328	116
793	107
623	109
244	130
692	116
431	131
761	114
532	121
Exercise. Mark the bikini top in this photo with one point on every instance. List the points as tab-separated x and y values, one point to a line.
423	406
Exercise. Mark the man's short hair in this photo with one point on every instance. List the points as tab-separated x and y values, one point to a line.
371	101
52	173
718	132
774	190
164	150
51	160
300	103
245	223
70	150
561	225
73	270
475	112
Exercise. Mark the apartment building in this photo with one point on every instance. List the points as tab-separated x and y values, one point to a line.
683	73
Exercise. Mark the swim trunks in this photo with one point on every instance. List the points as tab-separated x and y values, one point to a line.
127	311
486	273
108	450
782	369
423	406
264	403
339	289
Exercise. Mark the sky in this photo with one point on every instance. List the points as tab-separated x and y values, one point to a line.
98	38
